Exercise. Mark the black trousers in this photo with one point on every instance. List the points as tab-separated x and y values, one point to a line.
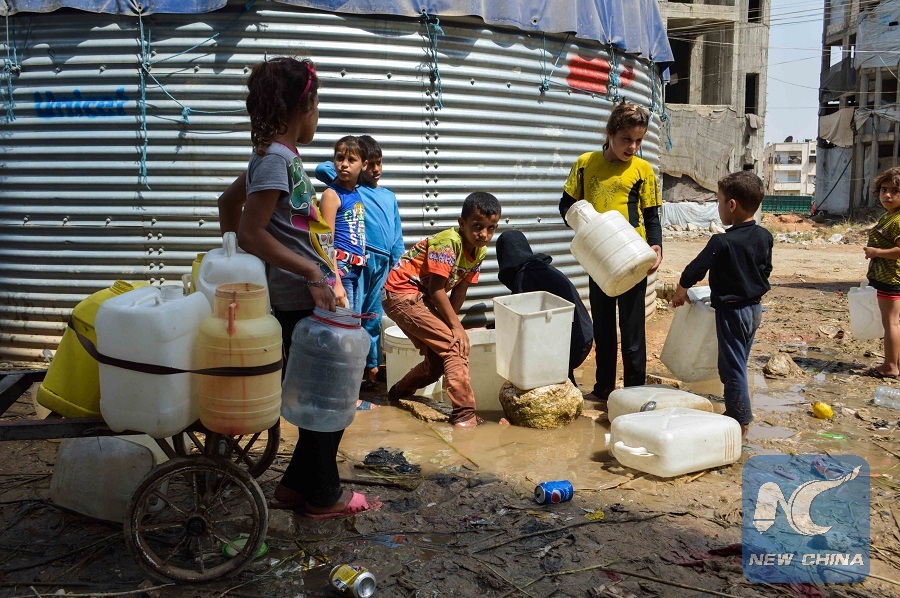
634	341
313	470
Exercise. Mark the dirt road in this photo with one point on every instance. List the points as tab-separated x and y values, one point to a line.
471	528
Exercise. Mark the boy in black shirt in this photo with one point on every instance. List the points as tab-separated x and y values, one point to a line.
739	262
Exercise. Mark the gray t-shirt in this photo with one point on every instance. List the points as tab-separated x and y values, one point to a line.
296	223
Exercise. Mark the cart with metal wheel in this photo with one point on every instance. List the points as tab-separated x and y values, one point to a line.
197	517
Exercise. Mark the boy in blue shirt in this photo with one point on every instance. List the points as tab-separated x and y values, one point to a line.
384	245
739	262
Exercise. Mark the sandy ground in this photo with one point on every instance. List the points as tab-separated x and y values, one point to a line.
471	528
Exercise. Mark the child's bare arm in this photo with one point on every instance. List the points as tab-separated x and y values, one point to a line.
446	310
458	295
231	203
254	238
329	205
888	254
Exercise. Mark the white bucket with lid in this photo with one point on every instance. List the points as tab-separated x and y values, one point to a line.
610	250
228	264
691	350
865	317
675	441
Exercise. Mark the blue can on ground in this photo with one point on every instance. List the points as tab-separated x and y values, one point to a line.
547	493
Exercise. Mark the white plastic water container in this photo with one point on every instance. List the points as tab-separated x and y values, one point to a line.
865	317
226	265
534	331
485	380
610	250
400	356
324	370
150	325
675	441
691	350
636	399
96	476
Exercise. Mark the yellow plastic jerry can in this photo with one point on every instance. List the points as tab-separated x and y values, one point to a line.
71	386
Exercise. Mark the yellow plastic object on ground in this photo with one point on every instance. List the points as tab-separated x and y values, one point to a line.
822	410
71	386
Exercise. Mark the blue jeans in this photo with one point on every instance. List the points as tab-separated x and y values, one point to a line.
735	329
375	273
350	276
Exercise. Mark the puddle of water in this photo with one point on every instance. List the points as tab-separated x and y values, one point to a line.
513	453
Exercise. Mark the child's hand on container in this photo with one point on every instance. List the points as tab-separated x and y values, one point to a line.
680	297
658	251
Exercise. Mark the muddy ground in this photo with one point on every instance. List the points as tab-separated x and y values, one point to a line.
471	528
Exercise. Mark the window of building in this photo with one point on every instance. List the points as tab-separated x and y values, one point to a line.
754	11
751	94
678	89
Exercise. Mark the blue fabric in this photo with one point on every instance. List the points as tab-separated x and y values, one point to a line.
735	329
383	231
634	26
351	280
375	273
349	221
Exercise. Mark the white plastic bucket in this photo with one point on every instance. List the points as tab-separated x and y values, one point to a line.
534	331
485	380
691	350
865	317
675	441
150	326
400	356
225	265
635	399
610	250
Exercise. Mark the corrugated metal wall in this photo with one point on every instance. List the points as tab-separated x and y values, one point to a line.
75	214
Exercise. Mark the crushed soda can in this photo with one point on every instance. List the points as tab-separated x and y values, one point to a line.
547	493
353	580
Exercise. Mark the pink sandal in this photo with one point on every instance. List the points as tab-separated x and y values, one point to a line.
358	504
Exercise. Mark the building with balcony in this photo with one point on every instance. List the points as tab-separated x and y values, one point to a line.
859	102
790	168
716	94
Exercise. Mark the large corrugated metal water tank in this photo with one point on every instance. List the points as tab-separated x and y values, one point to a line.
109	174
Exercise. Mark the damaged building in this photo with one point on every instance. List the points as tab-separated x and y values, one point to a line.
859	102
715	98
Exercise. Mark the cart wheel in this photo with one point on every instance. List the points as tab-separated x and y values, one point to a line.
185	514
237	449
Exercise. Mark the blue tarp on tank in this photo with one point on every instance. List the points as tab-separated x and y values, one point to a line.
634	26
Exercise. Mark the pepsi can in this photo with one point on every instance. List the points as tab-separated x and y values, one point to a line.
547	493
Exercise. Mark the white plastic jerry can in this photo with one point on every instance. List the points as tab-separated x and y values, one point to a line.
865	317
635	399
610	250
675	441
691	350
155	326
228	264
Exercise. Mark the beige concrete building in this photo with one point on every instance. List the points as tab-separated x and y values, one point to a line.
790	168
859	101
716	97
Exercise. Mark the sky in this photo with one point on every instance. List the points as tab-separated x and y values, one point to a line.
792	96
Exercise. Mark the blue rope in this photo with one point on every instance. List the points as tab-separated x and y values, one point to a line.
433	29
10	66
545	77
661	108
613	75
145	57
